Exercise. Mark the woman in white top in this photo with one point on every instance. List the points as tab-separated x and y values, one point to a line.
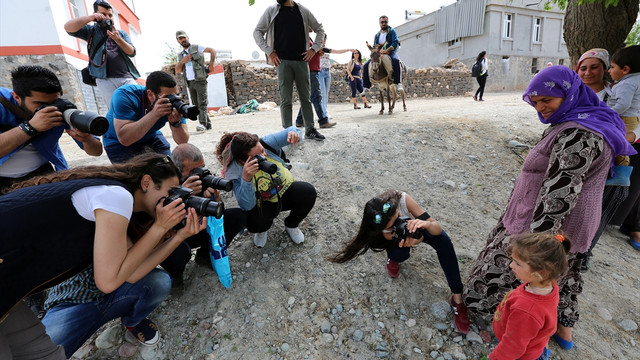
60	223
482	79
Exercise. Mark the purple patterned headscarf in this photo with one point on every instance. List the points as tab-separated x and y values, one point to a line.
580	104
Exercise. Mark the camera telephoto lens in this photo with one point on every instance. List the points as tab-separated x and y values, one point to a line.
203	206
266	165
85	121
185	110
210	181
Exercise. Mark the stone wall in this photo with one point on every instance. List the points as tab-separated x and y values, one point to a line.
72	86
245	83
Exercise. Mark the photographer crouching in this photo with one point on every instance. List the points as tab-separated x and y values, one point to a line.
262	182
195	176
69	230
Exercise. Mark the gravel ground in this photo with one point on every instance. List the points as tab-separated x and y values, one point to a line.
288	302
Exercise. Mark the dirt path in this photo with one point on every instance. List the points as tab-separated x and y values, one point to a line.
287	302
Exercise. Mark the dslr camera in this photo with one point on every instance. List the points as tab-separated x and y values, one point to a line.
185	110
210	181
266	165
85	121
402	231
203	206
105	24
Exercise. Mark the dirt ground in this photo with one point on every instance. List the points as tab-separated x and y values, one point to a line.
288	302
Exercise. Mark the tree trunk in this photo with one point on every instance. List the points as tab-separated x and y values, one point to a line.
591	26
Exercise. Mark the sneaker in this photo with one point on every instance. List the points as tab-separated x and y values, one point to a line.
299	124
295	234
201	128
328	124
460	316
393	268
260	239
146	333
209	126
313	134
475	98
399	87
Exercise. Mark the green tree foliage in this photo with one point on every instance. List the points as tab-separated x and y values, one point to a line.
170	55
634	35
562	4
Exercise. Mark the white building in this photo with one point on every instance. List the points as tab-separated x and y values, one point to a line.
32	33
519	36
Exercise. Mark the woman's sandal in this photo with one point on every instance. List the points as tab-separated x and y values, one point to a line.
356	106
367	106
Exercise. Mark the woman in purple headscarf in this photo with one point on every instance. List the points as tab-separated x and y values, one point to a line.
559	190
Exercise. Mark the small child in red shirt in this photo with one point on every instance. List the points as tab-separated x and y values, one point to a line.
527	316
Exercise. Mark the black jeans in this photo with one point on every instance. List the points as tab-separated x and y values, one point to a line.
628	213
446	256
174	264
482	80
299	198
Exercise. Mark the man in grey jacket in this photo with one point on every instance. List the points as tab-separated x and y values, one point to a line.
282	34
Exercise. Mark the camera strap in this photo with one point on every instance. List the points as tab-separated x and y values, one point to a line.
104	51
13	108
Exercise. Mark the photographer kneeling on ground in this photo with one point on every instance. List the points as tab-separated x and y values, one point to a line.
190	162
115	276
262	182
137	115
394	222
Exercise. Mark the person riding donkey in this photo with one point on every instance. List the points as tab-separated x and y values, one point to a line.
385	43
387	38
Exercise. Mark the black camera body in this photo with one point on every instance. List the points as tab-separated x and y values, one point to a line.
266	165
85	121
188	111
105	24
203	206
210	181
402	231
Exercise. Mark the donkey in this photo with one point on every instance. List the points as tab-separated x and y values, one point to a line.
383	77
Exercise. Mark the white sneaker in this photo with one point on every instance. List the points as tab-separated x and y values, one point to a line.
200	128
295	234
399	87
259	239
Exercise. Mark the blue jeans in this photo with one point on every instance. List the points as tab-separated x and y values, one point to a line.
290	71
316	99
325	85
395	64
70	325
446	256
118	153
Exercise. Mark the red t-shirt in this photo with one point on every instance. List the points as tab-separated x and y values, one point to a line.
314	63
523	323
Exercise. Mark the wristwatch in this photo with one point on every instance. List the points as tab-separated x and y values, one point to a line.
28	129
176	124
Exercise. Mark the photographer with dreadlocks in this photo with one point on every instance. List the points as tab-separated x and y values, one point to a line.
262	182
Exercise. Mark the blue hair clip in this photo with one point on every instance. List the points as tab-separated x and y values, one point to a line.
386	207
377	219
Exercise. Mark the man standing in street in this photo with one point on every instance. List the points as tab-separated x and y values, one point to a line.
282	34
110	50
191	64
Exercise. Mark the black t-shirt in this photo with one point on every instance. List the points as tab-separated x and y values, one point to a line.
289	33
116	67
